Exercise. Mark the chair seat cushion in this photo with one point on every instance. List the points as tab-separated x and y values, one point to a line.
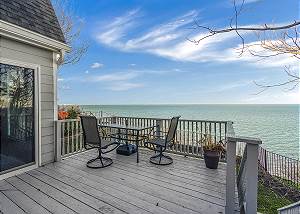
157	142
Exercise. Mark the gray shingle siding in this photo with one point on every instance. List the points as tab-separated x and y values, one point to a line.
34	15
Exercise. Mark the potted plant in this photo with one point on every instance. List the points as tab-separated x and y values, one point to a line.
212	152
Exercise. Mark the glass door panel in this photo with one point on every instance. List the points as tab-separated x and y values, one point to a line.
17	135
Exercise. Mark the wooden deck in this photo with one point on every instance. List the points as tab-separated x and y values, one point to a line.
185	187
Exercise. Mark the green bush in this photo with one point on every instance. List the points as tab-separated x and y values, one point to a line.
73	111
268	201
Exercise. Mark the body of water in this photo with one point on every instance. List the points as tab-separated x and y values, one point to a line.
276	125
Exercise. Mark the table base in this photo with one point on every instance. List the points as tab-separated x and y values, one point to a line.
126	149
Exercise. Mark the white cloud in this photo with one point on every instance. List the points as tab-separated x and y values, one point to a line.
168	40
114	31
124	86
132	64
113	34
60	79
97	65
87	71
127	75
122	80
119	76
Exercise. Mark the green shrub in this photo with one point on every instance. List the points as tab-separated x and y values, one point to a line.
268	201
73	111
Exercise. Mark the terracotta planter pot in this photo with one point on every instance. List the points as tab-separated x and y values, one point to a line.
211	159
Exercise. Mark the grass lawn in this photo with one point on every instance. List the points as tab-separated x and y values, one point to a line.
268	201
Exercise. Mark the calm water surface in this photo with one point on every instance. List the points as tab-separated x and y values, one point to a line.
276	125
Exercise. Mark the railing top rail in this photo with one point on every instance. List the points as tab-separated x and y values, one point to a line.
297	204
190	120
248	140
74	120
155	118
67	120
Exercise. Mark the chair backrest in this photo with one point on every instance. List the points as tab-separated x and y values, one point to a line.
172	129
91	136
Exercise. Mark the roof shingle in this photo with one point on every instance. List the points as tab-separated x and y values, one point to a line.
34	15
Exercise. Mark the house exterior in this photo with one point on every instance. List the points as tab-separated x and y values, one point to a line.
31	45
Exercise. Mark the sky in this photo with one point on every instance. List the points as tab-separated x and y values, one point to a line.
140	52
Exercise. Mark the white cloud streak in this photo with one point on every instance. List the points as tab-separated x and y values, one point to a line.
168	40
124	86
97	65
125	80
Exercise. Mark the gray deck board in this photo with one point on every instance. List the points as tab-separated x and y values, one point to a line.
141	179
7	206
21	199
41	198
185	187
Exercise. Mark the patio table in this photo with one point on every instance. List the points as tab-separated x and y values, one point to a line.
128	133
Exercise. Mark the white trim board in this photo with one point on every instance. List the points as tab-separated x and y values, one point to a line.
30	37
37	115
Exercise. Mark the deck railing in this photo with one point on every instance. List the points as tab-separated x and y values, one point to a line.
190	137
247	172
68	138
283	168
290	209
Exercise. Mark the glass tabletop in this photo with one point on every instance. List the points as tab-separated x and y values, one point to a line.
128	127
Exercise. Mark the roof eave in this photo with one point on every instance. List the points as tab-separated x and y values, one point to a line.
30	37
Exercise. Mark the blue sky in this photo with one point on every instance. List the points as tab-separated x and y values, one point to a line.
140	54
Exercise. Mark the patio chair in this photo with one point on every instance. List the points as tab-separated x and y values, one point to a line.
92	140
160	144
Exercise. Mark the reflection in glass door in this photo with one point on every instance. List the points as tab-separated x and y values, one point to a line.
17	136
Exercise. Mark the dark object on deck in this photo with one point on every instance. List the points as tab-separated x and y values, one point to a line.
92	140
126	149
160	145
211	159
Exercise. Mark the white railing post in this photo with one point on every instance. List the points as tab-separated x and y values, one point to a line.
251	178
230	176
249	203
58	140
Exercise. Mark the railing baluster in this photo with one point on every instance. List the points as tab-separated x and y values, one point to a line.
72	137
76	136
63	152
68	137
215	132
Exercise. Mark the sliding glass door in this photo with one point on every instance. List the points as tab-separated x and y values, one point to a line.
17	135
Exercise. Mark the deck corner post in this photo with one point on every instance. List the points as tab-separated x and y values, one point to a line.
230	176
58	141
251	176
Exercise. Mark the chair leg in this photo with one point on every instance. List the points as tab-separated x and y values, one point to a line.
161	159
99	162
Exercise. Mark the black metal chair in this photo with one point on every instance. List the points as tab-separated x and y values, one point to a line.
160	144
93	140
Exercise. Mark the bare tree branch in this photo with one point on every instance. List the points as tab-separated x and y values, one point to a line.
273	41
293	81
71	27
